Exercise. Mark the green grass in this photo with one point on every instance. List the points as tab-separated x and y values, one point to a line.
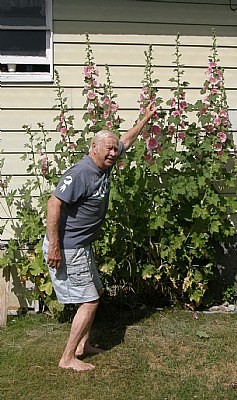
157	355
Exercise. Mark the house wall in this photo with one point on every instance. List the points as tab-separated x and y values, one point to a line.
120	32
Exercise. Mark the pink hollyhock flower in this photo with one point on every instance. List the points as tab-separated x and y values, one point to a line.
106	113
183	104
156	130
173	102
90	108
213	80
87	87
141	97
214	91
212	64
44	165
217	121
209	128
223	113
226	122
203	110
63	131
151	143
181	135
109	124
61	117
158	149
114	107
222	136
171	129
91	95
106	100
148	158
95	83
121	165
182	124
142	109
145	134
145	89
73	146
182	95
217	146
88	69
175	113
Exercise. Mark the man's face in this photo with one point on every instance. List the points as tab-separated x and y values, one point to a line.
106	152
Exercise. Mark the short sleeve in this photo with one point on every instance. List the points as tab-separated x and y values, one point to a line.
120	149
71	187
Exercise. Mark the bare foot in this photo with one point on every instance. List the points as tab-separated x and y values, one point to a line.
86	350
76	365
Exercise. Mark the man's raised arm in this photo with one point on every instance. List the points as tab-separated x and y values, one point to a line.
130	136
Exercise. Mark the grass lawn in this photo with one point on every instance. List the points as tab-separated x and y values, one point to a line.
149	355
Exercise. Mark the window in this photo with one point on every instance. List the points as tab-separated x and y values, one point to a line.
26	40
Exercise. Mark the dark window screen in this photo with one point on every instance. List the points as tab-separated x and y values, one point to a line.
22	12
23	43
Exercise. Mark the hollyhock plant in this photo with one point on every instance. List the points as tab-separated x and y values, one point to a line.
215	120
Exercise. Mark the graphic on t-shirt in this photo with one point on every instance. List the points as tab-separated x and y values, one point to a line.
67	181
103	188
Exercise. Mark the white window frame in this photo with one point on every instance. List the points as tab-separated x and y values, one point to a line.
47	60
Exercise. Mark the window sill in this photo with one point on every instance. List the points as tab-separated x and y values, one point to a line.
25	77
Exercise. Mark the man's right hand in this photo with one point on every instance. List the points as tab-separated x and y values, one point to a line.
54	256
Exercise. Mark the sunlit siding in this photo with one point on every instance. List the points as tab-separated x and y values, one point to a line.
120	32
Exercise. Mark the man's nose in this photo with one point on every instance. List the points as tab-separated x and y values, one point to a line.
113	152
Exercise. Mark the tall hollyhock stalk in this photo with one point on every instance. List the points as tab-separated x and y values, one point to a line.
212	111
177	120
110	120
100	106
67	145
93	91
153	130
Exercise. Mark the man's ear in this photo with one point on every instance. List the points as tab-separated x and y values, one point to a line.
94	147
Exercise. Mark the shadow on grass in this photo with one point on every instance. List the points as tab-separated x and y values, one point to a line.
111	323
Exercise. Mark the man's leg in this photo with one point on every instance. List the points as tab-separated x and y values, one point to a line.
84	347
80	328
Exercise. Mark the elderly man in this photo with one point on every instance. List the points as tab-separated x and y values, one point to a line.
75	213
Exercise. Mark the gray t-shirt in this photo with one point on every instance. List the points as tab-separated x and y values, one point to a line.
84	188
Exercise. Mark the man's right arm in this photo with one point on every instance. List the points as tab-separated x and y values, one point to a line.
53	218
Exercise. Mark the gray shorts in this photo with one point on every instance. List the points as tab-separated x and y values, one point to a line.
76	280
